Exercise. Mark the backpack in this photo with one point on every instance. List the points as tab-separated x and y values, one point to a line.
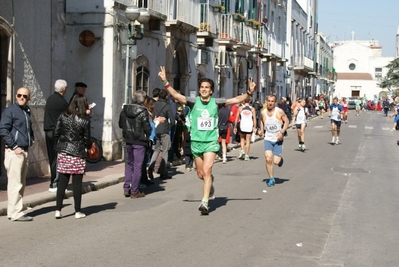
246	121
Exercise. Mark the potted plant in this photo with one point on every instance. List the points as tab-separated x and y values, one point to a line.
205	27
219	8
238	17
247	22
255	24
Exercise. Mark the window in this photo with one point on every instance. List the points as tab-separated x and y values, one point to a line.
352	66
142	79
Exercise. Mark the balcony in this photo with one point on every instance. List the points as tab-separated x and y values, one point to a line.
209	22
236	33
183	14
303	63
158	9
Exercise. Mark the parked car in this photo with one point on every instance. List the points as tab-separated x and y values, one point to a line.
351	102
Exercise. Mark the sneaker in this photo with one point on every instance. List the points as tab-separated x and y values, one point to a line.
79	215
58	214
126	193
271	182
52	189
203	208
139	194
150	173
300	146
337	141
241	155
303	147
333	140
246	158
393	129
224	160
281	162
188	169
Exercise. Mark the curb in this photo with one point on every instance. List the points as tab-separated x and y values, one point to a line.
46	197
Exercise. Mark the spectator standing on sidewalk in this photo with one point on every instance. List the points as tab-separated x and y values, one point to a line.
16	130
204	132
55	106
80	89
162	109
134	121
73	132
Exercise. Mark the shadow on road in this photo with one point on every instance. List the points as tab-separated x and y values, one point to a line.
221	201
278	180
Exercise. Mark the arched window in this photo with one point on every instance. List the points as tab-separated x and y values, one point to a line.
142	79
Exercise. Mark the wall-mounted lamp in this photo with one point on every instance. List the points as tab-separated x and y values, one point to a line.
136	16
87	38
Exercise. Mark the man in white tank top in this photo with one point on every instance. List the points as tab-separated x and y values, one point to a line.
274	125
300	114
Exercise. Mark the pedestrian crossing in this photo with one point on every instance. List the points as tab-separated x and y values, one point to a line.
351	126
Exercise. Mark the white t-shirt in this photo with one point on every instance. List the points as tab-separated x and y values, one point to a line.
273	126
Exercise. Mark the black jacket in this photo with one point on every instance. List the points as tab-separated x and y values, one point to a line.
55	106
16	127
73	134
162	108
134	121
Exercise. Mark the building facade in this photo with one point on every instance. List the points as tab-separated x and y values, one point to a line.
360	68
272	41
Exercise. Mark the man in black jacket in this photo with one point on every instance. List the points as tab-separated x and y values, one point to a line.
16	129
135	123
55	106
162	109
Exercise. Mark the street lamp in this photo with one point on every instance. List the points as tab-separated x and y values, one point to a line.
136	16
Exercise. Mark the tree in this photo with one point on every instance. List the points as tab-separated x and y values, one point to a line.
391	80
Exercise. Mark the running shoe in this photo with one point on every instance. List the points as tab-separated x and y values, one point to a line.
303	147
241	155
337	141
224	160
271	182
333	140
281	162
246	158
300	146
203	208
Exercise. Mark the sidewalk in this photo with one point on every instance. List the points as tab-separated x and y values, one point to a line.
98	175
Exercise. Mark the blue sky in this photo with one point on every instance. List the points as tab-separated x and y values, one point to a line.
369	19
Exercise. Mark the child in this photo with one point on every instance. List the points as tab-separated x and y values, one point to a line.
187	151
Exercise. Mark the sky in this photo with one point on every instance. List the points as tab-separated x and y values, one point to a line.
369	19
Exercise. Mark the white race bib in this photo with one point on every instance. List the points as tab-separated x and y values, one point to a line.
205	124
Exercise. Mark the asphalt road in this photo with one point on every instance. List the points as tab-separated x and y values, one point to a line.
331	206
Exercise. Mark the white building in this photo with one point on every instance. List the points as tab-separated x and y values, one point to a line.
360	67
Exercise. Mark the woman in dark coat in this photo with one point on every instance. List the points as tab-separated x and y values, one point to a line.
73	132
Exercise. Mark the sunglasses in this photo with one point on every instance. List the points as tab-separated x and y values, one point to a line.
20	95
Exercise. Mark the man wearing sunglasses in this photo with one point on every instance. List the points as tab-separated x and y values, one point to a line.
16	129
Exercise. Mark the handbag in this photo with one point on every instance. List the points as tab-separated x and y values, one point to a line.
93	151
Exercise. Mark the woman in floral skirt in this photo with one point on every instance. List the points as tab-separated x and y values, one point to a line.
73	132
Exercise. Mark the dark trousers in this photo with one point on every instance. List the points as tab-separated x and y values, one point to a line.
189	161
51	141
386	111
133	165
76	186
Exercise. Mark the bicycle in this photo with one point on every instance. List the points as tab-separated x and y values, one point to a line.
95	153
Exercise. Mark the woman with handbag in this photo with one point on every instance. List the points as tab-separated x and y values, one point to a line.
73	133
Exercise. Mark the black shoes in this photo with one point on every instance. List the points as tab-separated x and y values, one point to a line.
164	177
150	173
126	193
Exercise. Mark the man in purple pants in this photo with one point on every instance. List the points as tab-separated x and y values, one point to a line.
136	128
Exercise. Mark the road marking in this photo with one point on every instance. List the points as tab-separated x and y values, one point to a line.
386	128
318	126
368	127
352	126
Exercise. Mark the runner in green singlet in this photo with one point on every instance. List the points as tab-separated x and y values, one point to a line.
204	128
